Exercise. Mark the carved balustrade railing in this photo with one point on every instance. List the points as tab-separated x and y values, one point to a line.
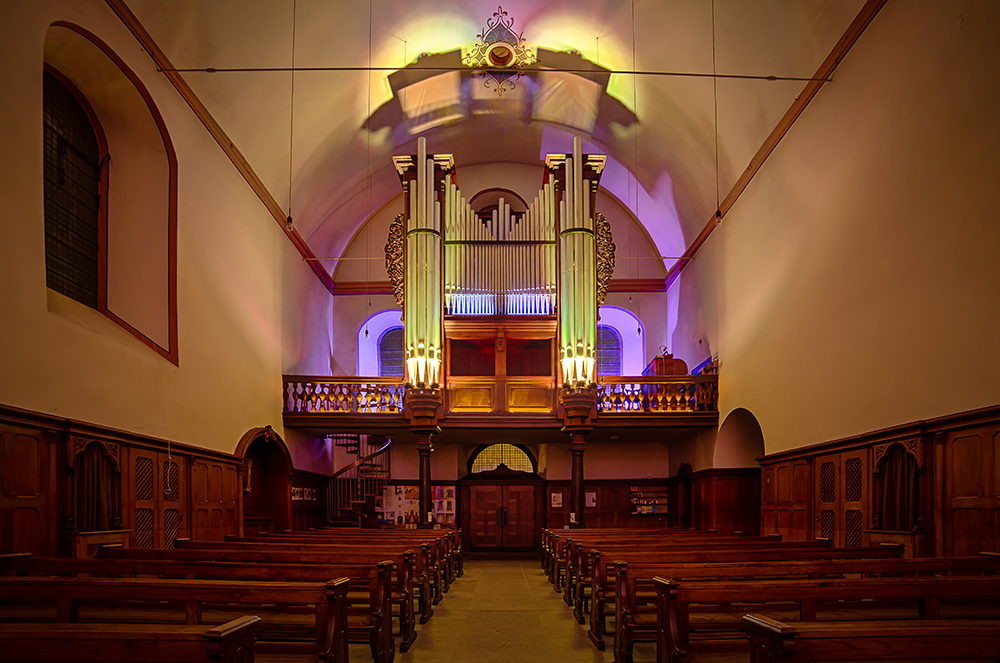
350	395
658	394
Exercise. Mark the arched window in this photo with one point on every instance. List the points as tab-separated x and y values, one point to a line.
609	351
110	211
509	455
390	353
631	340
72	174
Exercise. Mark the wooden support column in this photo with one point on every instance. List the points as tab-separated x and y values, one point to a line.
424	450
422	407
578	408
576	448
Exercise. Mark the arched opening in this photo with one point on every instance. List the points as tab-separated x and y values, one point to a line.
96	489
740	442
372	336
897	491
266	490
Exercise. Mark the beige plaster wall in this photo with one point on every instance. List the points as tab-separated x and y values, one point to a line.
62	358
856	279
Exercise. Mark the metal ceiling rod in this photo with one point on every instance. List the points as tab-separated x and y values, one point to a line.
600	70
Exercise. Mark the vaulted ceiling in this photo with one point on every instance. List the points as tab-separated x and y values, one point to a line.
371	75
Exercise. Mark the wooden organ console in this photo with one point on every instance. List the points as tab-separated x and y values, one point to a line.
500	310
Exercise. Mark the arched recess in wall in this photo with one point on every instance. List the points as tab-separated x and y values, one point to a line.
267	505
370	332
138	235
633	335
740	442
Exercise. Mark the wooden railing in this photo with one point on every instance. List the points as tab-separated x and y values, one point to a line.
658	394
630	395
350	395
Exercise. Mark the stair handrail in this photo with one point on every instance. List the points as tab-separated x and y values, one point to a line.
351	466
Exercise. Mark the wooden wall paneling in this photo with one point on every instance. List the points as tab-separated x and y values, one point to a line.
139	500
215	499
27	496
786	490
972	479
855	487
828	500
728	500
172	499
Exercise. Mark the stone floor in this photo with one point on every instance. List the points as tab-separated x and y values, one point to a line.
503	610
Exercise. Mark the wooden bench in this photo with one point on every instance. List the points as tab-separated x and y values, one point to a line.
428	566
232	642
158	600
925	640
672	622
359	600
577	557
603	590
279	557
452	538
635	592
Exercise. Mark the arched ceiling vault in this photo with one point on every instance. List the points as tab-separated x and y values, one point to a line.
321	141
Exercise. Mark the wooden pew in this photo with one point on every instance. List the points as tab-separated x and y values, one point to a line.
635	589
604	586
429	565
452	536
446	543
59	600
577	557
925	640
360	571
406	577
232	642
673	618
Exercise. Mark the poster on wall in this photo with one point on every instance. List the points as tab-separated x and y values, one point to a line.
557	500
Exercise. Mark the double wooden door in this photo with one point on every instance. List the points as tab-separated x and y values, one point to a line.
502	517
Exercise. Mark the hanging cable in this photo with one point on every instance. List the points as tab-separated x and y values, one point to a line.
291	121
715	95
368	209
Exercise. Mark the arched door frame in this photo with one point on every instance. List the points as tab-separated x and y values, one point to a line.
270	436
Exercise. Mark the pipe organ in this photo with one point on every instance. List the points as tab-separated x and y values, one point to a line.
546	261
505	265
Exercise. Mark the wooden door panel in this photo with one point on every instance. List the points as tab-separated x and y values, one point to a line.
520	528
25	500
483	504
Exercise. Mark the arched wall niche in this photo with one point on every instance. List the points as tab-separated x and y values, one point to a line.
740	441
375	325
139	231
267	467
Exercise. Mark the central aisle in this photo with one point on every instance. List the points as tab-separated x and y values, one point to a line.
500	611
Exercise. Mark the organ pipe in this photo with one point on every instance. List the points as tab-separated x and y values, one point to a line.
541	261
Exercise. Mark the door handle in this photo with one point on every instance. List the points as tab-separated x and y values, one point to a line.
505	518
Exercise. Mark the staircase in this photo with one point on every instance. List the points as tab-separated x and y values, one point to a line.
352	489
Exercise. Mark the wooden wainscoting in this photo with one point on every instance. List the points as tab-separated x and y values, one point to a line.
164	492
832	489
727	500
